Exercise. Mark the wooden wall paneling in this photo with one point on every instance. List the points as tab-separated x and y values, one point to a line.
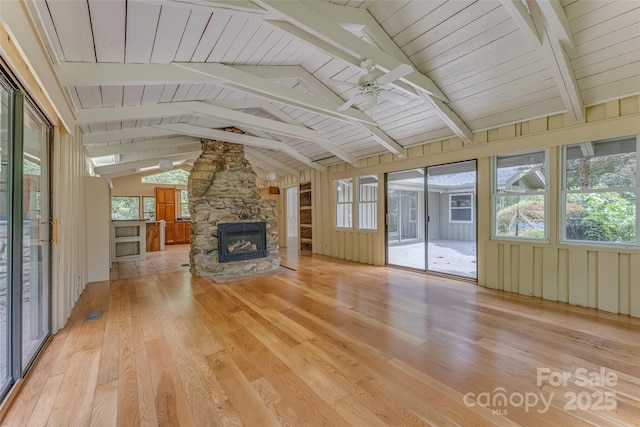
491	265
506	267
499	266
550	273
578	279
348	245
341	244
525	285
608	288
537	271
634	291
563	275
623	284
592	279
515	268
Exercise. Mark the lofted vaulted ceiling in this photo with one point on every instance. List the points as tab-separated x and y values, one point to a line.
148	78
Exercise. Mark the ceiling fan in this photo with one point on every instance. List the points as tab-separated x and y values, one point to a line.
370	86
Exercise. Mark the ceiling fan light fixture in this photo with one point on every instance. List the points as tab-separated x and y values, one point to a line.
369	101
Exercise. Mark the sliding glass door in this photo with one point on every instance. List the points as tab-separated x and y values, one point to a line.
451	207
35	234
24	234
5	353
406	219
436	232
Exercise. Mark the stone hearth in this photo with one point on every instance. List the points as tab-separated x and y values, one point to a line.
222	190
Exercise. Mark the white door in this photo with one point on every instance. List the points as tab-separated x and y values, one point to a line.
291	197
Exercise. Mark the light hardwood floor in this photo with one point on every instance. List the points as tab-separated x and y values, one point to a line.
328	342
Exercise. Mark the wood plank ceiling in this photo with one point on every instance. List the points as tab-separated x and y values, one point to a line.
148	78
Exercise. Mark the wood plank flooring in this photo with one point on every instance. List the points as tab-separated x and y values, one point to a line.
330	342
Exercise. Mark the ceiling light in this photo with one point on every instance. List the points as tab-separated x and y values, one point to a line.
165	165
271	176
369	101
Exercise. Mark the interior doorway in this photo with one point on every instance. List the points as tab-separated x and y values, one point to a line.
292	226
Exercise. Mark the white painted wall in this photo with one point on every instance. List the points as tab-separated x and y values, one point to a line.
97	211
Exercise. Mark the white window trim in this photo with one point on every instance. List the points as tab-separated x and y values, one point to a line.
337	203
563	204
360	203
452	208
495	195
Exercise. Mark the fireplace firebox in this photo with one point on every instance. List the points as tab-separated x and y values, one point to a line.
240	241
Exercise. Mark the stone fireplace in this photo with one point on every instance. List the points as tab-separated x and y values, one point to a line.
233	231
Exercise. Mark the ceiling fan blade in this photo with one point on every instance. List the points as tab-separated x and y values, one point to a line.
341	83
350	102
400	71
393	97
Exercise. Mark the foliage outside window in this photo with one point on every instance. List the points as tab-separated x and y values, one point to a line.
461	207
601	192
519	195
149	208
125	208
368	202
184	204
344	202
172	177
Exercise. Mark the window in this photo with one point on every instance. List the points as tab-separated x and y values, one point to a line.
368	202
600	191
344	202
125	208
520	195
461	207
149	208
184	204
172	177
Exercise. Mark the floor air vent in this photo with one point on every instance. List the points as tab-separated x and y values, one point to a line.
94	315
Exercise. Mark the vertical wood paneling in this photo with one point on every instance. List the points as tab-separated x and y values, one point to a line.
635	285
537	272
515	270
550	273
578	280
526	270
592	279
506	268
492	265
608	281
563	275
623	283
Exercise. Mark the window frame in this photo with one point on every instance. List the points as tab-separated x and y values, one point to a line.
367	203
347	206
495	195
129	197
180	205
563	192
470	207
144	213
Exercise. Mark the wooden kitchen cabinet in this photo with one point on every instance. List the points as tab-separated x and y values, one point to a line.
166	210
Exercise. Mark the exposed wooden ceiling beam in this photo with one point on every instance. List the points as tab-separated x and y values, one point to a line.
184	150
272	162
133	147
520	14
138	112
133	167
306	77
560	64
119	135
238	138
534	26
557	21
272	91
354	49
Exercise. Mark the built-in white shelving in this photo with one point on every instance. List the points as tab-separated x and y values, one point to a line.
128	240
